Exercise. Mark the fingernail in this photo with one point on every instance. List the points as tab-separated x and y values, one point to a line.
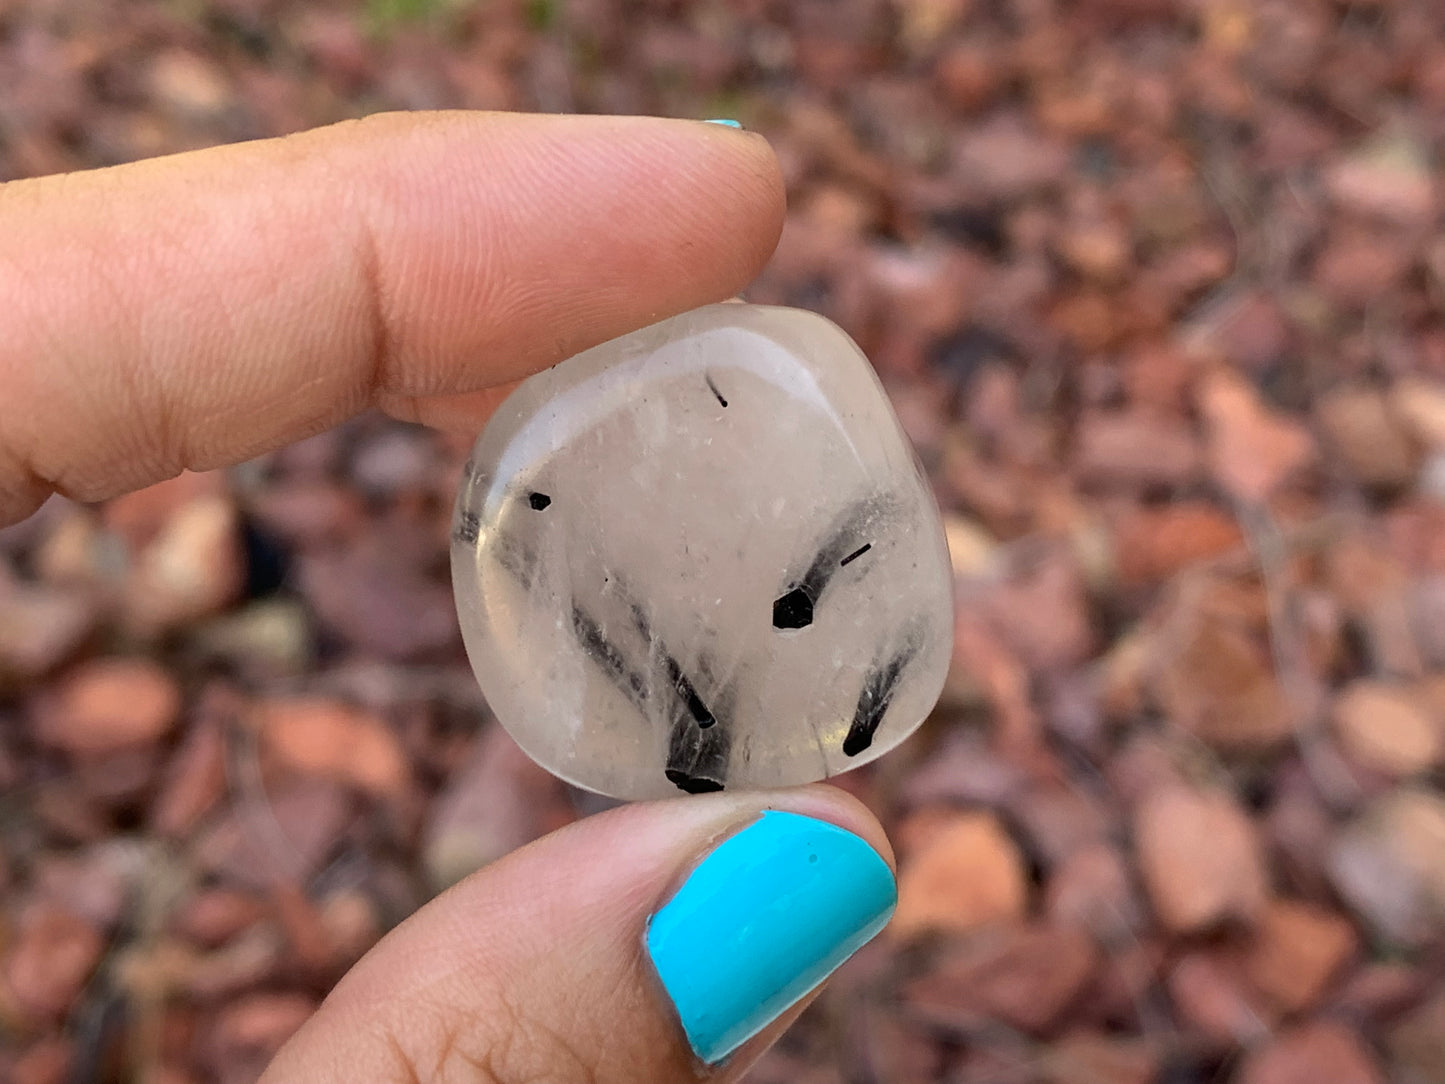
765	917
725	122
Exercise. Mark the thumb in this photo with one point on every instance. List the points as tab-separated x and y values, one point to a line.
639	945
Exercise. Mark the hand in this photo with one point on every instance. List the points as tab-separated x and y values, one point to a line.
195	311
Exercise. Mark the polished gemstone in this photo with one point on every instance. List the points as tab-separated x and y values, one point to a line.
703	555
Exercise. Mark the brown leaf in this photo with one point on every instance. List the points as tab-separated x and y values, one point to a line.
335	741
968	874
1199	858
1025	976
1313	1054
51	959
1297	950
109	706
1218	686
1252	449
1386	729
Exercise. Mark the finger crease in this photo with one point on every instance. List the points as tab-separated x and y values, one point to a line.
29	489
374	296
404	1061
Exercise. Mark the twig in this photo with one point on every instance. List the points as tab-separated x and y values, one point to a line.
1301	692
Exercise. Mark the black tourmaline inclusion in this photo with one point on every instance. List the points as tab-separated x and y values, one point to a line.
793	610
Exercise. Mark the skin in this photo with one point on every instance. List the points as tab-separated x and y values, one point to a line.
195	311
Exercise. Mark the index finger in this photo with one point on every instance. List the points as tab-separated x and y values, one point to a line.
193	311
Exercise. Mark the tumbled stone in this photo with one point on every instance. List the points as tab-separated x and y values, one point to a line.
703	555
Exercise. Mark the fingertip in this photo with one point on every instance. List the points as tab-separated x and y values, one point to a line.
653	939
829	803
764	917
771	190
743	168
587	226
22	496
742	171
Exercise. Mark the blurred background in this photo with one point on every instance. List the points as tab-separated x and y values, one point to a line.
1158	290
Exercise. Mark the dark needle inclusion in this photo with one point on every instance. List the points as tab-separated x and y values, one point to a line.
878	689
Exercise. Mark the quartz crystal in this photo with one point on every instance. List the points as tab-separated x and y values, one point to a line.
703	555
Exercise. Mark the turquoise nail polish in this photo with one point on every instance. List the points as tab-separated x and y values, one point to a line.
725	122
763	919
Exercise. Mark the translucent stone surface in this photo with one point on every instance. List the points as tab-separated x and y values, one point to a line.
703	555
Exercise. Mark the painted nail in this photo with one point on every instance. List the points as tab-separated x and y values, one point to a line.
725	122
766	916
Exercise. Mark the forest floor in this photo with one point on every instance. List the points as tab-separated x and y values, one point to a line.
1158	290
